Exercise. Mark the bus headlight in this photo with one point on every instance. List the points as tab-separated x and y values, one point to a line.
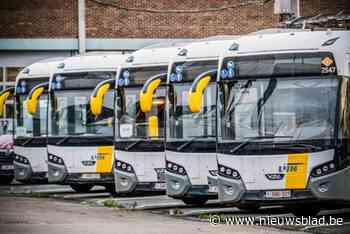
123	166
228	172
324	169
55	159
21	159
175	168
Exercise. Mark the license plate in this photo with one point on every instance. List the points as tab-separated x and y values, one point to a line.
160	186
7	167
90	176
278	194
213	189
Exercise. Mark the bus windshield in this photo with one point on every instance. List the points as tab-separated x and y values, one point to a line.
302	108
26	124
183	124
186	125
131	122
70	113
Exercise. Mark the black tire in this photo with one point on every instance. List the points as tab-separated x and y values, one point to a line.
249	208
111	189
198	201
81	188
6	179
305	211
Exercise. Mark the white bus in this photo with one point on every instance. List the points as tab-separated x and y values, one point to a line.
191	121
140	120
283	121
30	128
80	143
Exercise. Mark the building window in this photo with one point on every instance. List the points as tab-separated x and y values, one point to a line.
11	73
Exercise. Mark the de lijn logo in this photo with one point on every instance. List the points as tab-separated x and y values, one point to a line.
289	167
94	158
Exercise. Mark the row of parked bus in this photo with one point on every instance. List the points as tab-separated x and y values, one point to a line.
253	120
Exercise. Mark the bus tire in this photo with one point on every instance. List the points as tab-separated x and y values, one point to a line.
198	201
111	189
81	188
249	208
302	211
6	179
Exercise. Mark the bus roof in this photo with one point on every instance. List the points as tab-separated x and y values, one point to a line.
208	48
92	62
336	42
153	55
42	68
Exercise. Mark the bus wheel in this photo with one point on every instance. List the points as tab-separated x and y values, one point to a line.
249	208
309	211
81	188
195	200
6	179
111	189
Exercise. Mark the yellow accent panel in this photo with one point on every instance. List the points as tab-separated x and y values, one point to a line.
146	98
297	171
3	99
96	103
104	161
195	99
153	126
32	101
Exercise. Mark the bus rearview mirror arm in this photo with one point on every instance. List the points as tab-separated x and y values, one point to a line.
97	96
4	95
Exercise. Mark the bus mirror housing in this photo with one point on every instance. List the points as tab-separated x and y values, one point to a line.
153	126
33	96
195	96
4	95
147	91
97	97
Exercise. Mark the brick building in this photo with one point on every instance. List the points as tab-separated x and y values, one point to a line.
35	29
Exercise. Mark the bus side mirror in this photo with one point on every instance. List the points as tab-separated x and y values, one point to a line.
33	96
146	93
4	95
195	96
153	126
97	97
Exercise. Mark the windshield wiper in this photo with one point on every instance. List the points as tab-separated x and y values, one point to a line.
133	144
298	146
27	141
251	139
187	143
67	138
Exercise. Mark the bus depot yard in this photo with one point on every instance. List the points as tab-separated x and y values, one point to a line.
56	209
244	133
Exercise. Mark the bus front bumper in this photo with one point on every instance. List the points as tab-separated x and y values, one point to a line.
128	183
179	186
59	174
321	189
24	173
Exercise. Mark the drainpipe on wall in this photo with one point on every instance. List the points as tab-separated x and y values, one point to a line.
81	26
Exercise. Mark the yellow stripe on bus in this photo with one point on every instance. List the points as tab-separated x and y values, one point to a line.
104	161
296	177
